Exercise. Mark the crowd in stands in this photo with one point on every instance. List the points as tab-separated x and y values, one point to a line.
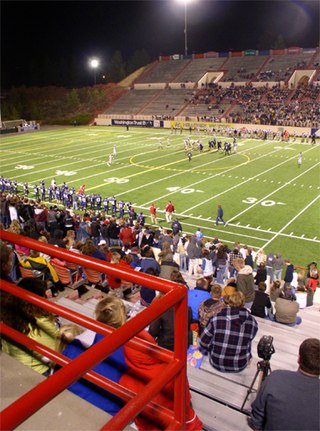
262	105
230	286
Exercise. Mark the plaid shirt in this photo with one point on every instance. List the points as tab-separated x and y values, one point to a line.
227	339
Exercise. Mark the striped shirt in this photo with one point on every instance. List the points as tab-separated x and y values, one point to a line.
227	339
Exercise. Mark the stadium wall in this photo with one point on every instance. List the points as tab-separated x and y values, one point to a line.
141	121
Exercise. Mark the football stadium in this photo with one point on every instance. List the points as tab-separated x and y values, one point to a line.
160	238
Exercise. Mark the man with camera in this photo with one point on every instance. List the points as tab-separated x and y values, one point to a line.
289	400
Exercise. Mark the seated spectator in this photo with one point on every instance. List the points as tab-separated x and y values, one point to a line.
210	307
228	335
6	262
245	281
287	308
261	306
70	238
32	321
130	368
162	329
44	240
90	249
120	287
301	297
197	295
275	290
289	400
112	367
102	245
39	263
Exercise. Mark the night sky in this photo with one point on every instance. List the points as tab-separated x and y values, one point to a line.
40	35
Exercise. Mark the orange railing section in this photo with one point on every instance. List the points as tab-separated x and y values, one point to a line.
175	296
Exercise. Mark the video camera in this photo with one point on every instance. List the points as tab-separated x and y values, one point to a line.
265	347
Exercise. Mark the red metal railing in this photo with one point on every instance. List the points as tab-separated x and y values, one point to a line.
176	296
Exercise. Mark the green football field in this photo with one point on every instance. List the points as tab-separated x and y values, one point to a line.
269	201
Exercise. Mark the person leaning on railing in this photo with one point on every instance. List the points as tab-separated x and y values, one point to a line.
32	321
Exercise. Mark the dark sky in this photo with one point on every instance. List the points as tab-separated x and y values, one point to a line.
39	35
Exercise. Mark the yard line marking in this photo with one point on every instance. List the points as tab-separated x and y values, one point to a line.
244	182
273	192
289	222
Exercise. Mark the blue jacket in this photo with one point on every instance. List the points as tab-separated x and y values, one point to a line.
195	297
113	368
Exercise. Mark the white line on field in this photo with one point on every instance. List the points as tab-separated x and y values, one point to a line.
239	184
274	191
213	176
292	220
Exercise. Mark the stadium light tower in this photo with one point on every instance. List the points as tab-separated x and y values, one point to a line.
185	25
94	63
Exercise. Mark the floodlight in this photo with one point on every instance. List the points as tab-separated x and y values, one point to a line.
94	63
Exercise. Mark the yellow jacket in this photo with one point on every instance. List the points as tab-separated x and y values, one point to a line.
47	334
42	261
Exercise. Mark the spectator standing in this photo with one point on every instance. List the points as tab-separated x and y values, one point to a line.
245	281
278	263
261	274
194	255
269	265
288	277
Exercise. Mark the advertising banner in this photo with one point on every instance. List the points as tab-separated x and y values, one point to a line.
136	123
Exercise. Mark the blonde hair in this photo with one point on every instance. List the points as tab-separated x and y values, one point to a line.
227	291
15	227
238	263
111	311
115	257
43	239
67	334
236	299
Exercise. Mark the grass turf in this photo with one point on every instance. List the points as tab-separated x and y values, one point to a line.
269	202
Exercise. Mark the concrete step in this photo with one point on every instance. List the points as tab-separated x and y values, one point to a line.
65	412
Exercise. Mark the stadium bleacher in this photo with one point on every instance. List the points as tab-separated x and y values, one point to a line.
247	89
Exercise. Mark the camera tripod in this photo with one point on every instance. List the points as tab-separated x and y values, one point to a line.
264	369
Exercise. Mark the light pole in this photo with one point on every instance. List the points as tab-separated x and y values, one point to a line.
185	28
185	25
94	63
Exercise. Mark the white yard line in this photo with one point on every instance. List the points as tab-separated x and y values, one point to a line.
243	182
210	178
289	223
273	192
